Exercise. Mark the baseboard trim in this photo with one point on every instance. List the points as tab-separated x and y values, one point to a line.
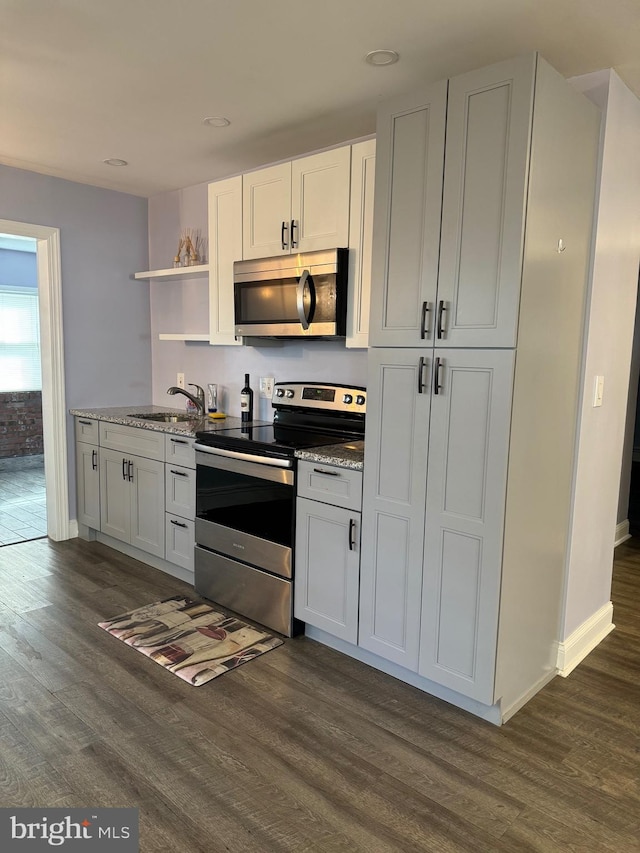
73	528
584	639
622	533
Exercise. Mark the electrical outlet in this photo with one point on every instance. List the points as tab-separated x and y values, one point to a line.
180	380
266	387
598	390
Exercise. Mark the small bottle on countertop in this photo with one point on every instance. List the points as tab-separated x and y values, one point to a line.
246	401
212	401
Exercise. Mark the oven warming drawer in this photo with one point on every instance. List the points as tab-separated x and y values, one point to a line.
270	556
249	592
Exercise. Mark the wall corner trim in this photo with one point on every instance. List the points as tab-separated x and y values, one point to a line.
584	639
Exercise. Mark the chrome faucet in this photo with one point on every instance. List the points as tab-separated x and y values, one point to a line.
197	399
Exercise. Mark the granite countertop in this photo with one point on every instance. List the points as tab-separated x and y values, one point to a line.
347	455
122	415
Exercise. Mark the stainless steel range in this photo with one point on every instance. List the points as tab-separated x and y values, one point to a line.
245	498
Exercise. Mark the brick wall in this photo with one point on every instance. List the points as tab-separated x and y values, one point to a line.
20	423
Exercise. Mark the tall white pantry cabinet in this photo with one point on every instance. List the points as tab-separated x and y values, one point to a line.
483	216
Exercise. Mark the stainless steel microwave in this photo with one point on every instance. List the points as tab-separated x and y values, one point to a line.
292	296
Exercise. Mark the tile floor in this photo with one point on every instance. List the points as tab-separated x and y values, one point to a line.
23	513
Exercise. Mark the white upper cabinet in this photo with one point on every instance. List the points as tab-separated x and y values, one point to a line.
266	202
448	251
301	206
363	178
225	247
489	117
406	236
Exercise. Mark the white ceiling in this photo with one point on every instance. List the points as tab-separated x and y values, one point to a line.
84	80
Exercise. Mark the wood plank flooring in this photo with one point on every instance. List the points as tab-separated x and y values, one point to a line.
303	749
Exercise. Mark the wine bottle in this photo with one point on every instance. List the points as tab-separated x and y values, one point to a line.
246	401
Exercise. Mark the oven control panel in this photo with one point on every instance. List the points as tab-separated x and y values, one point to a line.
319	395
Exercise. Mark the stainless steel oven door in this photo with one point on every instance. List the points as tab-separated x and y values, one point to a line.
245	508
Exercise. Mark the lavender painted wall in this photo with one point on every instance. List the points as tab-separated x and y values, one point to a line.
183	306
103	241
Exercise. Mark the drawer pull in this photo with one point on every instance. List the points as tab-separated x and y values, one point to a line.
178	473
327	473
178	523
86	423
179	441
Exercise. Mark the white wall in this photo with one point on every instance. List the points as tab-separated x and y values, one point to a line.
183	305
609	336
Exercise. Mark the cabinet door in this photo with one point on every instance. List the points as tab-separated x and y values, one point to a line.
408	204
115	495
225	247
180	541
88	484
468	451
147	505
327	567
320	200
395	475
266	212
484	202
363	168
180	491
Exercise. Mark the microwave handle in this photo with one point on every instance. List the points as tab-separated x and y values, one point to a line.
304	280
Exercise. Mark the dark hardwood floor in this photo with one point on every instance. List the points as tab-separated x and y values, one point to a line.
303	749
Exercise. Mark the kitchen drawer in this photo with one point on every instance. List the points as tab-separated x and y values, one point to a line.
180	541
179	450
87	430
330	484
141	442
180	491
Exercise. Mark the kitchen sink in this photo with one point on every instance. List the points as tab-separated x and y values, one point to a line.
164	417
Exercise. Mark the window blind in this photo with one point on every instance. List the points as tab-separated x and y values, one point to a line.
20	365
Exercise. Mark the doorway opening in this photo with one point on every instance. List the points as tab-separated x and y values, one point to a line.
50	335
22	485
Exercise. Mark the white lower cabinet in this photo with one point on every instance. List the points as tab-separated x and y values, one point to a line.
180	503
327	573
132	500
432	547
88	484
126	491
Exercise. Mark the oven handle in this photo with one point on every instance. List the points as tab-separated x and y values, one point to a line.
246	457
239	463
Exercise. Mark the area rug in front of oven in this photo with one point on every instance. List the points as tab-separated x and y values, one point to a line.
190	638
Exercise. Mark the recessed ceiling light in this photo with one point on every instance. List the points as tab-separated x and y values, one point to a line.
114	161
382	57
217	121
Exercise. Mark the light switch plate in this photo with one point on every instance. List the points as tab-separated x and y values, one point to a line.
180	380
598	391
266	386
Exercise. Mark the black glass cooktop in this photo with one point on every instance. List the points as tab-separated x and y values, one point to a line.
270	439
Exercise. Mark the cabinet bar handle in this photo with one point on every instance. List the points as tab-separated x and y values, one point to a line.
178	473
441	309
130	470
294	242
421	366
179	441
124	469
282	235
424	331
94	459
177	523
328	473
86	423
437	387
352	530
